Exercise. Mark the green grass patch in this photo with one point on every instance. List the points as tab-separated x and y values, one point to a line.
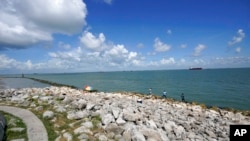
15	122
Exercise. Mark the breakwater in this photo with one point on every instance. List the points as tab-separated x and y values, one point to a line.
118	116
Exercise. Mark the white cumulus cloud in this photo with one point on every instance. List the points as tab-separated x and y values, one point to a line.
160	46
198	50
27	22
90	41
168	61
238	38
74	54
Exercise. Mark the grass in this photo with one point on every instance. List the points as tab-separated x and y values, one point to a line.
52	135
95	121
17	122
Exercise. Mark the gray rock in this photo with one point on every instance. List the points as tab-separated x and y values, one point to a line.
90	106
115	112
17	99
35	97
83	136
110	135
25	103
82	129
108	118
151	134
46	98
179	132
48	114
68	136
210	133
131	116
17	129
71	115
113	127
81	104
168	128
127	135
67	100
88	124
81	114
102	138
61	97
119	138
60	109
120	121
151	124
18	140
137	136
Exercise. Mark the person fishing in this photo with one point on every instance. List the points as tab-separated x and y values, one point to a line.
164	95
150	91
182	97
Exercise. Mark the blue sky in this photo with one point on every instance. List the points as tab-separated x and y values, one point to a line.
113	35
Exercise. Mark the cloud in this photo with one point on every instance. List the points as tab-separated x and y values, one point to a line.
24	23
119	55
108	1
198	50
230	61
74	54
140	45
168	61
238	38
160	46
99	54
64	46
10	63
169	31
238	50
92	42
183	46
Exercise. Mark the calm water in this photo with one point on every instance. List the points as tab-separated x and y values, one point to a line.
219	87
16	83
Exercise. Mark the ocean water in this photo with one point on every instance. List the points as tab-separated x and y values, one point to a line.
16	83
214	87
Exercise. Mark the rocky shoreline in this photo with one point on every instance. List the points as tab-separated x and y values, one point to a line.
119	116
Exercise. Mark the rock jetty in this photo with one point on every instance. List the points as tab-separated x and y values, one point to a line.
119	116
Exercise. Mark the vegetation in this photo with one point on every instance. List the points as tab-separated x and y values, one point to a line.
15	122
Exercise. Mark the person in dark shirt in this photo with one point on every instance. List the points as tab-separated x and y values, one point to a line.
182	97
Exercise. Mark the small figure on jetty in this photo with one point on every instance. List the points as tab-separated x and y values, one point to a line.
182	98
150	91
164	95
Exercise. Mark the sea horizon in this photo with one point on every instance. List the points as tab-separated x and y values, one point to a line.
103	71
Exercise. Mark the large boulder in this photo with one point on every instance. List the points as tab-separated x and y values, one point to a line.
113	127
129	116
108	118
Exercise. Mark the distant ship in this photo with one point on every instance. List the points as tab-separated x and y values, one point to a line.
195	68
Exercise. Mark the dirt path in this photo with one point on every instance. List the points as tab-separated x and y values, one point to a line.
35	128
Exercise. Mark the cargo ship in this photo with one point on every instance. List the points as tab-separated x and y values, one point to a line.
195	68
